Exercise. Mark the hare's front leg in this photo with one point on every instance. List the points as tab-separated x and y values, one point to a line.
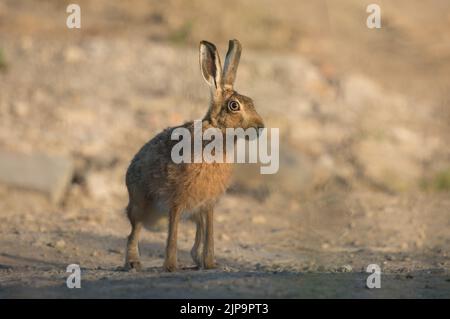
208	247
170	263
132	253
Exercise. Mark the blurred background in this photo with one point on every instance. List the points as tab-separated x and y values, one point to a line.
363	114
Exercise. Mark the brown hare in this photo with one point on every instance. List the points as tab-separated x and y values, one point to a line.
157	185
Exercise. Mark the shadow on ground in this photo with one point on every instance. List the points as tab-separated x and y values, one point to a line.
217	284
28	276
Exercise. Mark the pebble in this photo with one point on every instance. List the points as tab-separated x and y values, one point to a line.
73	54
59	244
220	218
20	109
346	268
259	219
226	269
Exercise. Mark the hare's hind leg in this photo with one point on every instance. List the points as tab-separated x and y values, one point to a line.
196	251
132	254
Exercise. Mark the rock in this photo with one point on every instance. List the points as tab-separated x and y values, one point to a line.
49	175
346	268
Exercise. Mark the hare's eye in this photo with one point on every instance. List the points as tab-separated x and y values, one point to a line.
233	106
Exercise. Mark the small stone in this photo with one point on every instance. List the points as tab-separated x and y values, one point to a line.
60	244
226	269
73	54
259	219
346	268
20	108
29	217
220	218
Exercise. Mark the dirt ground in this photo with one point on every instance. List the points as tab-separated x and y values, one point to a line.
364	159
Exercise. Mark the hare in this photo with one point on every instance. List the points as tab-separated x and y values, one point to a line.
157	186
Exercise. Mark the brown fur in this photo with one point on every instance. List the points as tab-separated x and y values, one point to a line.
156	185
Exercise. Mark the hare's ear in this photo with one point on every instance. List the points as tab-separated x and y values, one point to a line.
210	65
231	63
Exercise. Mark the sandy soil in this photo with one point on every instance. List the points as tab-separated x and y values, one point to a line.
360	180
278	255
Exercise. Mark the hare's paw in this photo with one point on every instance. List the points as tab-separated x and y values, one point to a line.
133	265
209	263
170	266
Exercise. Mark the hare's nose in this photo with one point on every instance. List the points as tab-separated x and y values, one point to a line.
260	124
